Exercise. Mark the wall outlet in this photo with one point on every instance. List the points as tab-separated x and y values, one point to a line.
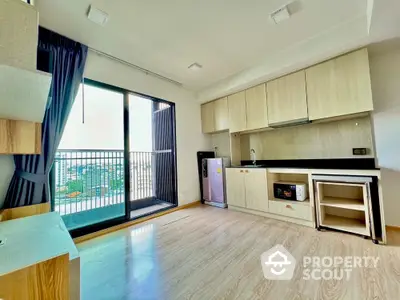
360	151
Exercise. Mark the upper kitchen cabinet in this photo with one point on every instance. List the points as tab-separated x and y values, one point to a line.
221	115
214	116
340	86
287	99
256	108
207	117
18	34
237	112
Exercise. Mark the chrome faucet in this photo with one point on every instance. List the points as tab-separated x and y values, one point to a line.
216	151
253	153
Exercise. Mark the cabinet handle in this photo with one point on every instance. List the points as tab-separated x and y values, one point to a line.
247	171
241	171
288	206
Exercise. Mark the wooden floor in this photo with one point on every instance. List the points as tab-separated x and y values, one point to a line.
211	253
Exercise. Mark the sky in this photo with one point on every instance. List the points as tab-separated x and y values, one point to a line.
101	127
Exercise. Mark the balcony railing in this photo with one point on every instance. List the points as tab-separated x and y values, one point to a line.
89	184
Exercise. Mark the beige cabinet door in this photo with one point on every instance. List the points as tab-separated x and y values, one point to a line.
221	114
235	188
340	86
237	112
287	100
207	117
256	189
256	108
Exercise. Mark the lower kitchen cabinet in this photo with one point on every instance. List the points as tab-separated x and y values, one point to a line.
235	187
256	189
292	209
247	188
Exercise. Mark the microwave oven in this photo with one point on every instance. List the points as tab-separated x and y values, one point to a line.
296	191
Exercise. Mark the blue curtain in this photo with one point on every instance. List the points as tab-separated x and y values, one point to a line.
65	60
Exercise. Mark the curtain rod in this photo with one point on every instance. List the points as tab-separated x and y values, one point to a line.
147	72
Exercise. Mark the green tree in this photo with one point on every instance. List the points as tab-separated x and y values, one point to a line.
75	186
117	184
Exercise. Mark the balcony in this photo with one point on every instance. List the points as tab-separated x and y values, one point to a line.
89	185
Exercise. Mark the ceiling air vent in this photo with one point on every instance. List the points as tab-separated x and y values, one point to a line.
97	16
280	15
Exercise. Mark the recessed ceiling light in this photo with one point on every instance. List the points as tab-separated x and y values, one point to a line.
280	15
97	16
195	67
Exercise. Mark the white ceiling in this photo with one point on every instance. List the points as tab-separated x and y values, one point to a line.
234	40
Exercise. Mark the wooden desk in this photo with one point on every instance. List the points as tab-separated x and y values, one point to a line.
35	239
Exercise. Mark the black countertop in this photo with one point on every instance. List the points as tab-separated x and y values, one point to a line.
335	163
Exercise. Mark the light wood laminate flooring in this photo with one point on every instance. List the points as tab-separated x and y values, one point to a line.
211	253
150	209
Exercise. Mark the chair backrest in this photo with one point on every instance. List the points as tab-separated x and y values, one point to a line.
47	280
24	211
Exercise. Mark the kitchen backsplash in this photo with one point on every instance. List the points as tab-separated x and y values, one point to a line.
311	141
221	141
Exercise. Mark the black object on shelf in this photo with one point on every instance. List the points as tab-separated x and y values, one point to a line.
200	156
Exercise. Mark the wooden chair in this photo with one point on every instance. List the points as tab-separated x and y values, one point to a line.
47	280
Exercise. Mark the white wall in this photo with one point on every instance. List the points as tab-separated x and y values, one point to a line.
188	124
385	78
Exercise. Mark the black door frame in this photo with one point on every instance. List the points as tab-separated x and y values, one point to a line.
128	207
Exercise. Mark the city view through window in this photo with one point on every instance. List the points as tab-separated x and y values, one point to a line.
89	165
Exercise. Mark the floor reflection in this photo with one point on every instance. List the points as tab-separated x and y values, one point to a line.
122	266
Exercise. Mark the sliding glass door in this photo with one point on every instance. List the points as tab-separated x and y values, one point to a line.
151	159
89	164
116	160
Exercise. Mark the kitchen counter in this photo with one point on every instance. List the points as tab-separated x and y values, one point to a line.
358	172
251	190
336	163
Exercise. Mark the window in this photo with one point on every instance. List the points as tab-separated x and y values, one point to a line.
116	159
